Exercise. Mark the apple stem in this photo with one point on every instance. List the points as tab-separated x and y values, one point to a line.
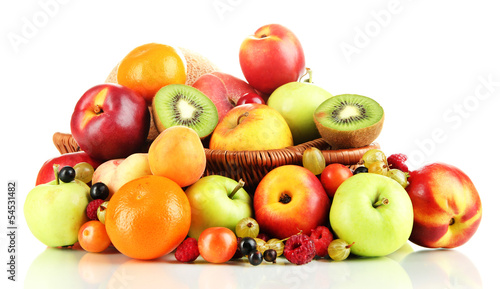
308	73
242	116
56	173
240	185
98	109
383	201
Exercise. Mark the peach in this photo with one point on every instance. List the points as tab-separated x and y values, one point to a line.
115	173
223	89
446	205
104	173
178	154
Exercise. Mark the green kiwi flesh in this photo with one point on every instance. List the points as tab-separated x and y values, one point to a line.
349	120
179	104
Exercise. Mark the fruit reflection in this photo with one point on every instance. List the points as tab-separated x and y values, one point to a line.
55	268
441	269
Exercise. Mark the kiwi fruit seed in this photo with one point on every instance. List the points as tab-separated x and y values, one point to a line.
180	104
349	120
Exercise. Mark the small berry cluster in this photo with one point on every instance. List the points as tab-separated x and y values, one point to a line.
298	249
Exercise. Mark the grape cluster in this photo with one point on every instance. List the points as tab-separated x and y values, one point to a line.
254	248
375	161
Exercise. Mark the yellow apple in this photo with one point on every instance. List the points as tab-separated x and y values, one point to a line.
251	127
115	173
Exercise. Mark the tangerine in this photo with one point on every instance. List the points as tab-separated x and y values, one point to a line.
148	217
150	67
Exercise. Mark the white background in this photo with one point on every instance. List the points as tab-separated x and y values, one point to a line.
423	61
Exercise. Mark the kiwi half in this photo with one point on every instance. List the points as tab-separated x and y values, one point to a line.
179	104
349	120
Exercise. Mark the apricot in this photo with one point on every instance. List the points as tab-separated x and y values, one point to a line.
178	154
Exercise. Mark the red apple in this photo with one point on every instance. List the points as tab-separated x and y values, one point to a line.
271	57
46	172
223	89
290	199
110	121
446	206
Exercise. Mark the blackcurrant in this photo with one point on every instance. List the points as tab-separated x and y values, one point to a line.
270	255
360	170
255	257
247	245
99	191
67	174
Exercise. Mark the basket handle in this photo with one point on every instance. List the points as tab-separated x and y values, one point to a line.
65	143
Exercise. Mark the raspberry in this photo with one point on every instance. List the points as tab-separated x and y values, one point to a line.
321	237
299	249
187	251
92	209
397	161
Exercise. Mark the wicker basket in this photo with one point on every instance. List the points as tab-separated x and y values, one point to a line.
251	166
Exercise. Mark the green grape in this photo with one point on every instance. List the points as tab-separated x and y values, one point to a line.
374	156
277	245
101	212
262	246
313	160
339	250
399	176
379	168
84	172
247	227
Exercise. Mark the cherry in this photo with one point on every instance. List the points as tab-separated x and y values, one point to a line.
250	97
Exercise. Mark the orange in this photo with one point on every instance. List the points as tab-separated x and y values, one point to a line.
148	217
150	67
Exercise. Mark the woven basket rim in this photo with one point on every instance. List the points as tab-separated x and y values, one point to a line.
319	143
251	166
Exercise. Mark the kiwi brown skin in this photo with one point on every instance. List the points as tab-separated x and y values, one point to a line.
351	130
350	139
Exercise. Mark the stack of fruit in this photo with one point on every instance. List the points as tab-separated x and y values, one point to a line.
138	185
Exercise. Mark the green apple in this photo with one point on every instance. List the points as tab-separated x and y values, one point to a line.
296	102
56	210
217	201
374	212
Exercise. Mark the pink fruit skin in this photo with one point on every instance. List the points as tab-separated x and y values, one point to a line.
46	172
308	208
223	89
271	57
446	205
119	129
